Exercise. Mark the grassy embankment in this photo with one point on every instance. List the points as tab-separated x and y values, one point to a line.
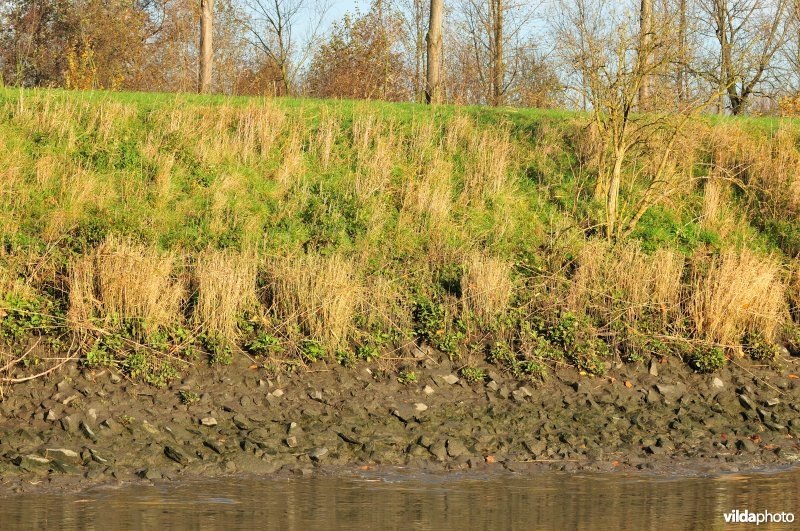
149	231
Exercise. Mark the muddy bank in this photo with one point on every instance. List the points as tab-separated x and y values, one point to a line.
80	427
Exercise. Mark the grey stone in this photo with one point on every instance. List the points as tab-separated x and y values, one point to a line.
63	454
428	390
746	402
149	473
492	386
455	448
772	402
68	424
438	450
30	462
51	416
746	445
317	454
277	393
208	421
451	379
87	431
176	455
291	442
653	368
420	407
241	423
717	383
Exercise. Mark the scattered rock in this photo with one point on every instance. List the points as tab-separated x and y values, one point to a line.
746	445
492	386
30	462
746	402
51	416
451	379
653	368
149	428
420	407
208	421
717	383
772	402
317	454
455	448
428	390
241	423
63	454
521	394
149	473
176	455
87	431
277	393
291	442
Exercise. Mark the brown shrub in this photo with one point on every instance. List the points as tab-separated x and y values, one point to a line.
124	281
623	282
486	287
317	296
738	292
226	286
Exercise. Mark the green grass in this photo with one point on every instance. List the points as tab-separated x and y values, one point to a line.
178	173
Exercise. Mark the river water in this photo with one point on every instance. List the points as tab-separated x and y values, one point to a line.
406	501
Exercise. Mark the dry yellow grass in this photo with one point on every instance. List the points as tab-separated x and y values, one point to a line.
486	287
374	167
225	282
739	292
124	281
623	282
327	134
292	166
431	196
487	174
713	202
317	296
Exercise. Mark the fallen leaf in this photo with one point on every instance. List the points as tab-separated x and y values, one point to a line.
614	463
490	459
794	376
252	367
628	384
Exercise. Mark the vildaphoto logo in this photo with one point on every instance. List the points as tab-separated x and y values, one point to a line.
764	517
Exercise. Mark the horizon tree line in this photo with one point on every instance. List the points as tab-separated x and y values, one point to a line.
745	53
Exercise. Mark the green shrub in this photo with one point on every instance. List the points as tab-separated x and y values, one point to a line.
707	359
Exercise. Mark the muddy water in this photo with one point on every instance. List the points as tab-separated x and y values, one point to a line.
406	501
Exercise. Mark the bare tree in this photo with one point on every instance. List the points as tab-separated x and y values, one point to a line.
645	36
274	28
415	15
206	44
607	58
748	35
434	38
496	29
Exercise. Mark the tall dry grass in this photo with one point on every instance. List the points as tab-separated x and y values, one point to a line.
124	281
487	287
317	296
623	282
738	292
225	282
487	173
432	195
326	136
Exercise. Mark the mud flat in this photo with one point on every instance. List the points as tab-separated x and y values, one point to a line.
80	428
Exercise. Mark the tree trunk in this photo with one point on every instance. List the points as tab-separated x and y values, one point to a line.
497	59
206	47
645	37
433	88
682	78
